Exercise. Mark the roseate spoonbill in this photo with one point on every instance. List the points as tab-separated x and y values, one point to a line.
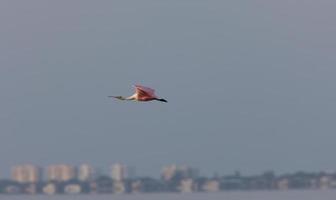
141	94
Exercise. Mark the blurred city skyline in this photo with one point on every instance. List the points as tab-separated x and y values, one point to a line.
84	179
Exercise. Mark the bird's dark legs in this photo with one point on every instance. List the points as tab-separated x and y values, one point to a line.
163	100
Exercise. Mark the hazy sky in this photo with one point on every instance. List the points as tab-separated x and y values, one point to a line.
250	84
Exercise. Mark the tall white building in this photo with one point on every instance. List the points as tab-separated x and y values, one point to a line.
118	172
85	172
26	173
61	172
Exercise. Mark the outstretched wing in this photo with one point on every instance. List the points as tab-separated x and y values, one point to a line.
144	91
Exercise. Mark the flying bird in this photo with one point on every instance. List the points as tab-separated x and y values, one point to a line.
142	93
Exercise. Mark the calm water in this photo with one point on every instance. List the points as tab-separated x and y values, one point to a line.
274	195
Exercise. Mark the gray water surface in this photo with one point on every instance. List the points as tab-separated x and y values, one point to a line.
258	195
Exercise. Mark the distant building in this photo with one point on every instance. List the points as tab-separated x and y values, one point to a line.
283	184
118	172
325	182
26	173
168	172
85	172
49	189
186	185
72	189
211	186
12	189
30	188
178	172
136	186
119	187
61	172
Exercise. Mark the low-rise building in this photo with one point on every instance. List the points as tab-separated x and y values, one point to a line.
119	187
211	186
49	189
283	184
72	189
186	185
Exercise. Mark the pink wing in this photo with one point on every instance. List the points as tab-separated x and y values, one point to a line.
147	90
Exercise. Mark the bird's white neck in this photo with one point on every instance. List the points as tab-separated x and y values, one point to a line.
131	98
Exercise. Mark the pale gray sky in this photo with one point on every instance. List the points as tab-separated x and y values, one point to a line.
250	84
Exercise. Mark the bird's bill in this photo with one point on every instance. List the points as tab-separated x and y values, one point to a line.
117	97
